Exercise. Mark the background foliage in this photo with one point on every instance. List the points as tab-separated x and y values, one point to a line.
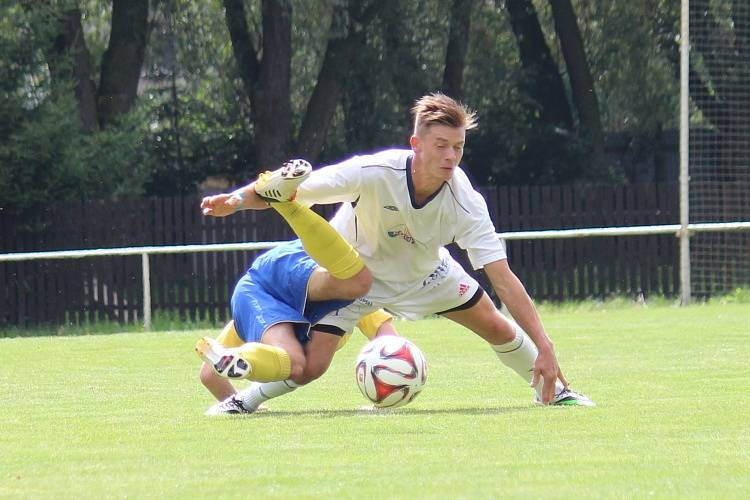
192	128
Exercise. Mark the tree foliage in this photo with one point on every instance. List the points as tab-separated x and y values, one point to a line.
155	97
46	153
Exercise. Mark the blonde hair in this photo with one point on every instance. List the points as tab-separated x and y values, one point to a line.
439	109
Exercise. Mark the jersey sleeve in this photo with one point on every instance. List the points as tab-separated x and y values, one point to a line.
476	234
332	184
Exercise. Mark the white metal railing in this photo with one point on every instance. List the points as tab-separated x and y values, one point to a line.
144	252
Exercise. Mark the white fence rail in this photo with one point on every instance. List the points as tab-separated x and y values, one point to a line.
144	252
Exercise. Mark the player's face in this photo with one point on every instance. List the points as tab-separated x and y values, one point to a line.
440	148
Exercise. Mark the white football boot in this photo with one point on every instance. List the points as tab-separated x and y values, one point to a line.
281	184
226	362
566	397
230	406
233	406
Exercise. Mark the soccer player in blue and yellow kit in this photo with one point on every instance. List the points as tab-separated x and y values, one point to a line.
285	292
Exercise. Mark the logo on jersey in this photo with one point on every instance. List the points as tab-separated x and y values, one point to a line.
365	301
391	208
401	231
462	289
437	275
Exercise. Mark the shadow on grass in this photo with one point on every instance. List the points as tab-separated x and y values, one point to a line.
377	412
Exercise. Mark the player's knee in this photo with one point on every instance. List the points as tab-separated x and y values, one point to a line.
359	284
312	372
303	378
316	370
297	367
502	329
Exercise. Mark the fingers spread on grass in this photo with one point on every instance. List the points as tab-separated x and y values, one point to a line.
535	379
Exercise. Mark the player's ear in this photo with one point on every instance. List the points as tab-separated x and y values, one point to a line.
414	143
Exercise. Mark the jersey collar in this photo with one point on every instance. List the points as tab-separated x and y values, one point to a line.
410	186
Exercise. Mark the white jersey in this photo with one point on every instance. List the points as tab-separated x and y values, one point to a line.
399	240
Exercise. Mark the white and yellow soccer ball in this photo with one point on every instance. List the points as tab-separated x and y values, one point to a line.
391	371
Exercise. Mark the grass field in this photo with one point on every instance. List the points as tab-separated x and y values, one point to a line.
122	416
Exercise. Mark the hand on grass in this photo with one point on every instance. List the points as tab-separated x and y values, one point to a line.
547	369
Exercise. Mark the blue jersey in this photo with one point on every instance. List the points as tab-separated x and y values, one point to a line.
274	290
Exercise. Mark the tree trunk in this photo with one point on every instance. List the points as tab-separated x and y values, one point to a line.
410	80
545	83
358	102
68	61
242	44
123	59
325	97
273	125
266	81
458	45
702	93
346	39
579	74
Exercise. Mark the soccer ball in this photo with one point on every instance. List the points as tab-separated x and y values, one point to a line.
390	371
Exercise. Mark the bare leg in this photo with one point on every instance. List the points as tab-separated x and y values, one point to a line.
323	286
485	320
319	353
282	336
513	346
218	386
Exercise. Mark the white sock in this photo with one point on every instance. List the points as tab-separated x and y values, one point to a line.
258	392
519	355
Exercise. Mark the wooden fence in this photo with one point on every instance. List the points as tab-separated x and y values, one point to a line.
198	286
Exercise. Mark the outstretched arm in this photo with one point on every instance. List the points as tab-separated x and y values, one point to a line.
513	294
224	204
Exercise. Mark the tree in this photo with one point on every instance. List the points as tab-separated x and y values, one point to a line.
323	79
720	48
267	77
123	60
637	87
69	62
346	39
544	83
458	45
51	144
579	75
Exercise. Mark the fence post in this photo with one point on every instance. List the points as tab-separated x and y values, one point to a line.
146	292
683	234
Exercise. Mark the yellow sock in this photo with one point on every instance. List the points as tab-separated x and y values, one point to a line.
269	362
229	337
370	324
320	240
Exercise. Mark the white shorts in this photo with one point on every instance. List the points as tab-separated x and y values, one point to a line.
447	288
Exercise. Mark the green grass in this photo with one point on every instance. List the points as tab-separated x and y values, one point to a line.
161	321
122	416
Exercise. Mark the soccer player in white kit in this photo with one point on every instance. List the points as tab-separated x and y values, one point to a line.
399	208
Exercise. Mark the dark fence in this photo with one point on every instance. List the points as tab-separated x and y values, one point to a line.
590	267
197	286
